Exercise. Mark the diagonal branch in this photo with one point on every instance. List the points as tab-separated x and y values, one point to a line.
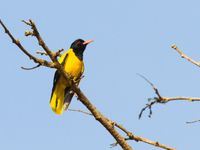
130	135
185	56
107	123
81	96
40	40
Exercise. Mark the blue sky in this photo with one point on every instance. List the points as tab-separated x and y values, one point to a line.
130	37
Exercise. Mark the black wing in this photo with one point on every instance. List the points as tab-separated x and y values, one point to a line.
57	76
55	80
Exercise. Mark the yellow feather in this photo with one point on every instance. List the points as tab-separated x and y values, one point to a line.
74	67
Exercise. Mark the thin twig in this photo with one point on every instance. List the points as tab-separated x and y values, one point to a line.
80	111
41	41
41	53
19	45
59	51
152	85
185	56
26	22
195	121
44	53
162	100
31	67
158	99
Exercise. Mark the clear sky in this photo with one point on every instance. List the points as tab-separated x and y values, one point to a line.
130	37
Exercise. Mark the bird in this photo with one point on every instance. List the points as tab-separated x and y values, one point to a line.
72	62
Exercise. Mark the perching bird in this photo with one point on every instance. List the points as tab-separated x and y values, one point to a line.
72	62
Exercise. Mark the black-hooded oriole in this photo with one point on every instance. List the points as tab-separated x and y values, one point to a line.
72	62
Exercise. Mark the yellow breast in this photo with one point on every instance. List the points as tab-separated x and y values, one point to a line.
73	65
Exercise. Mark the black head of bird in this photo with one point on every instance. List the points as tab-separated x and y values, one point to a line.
79	46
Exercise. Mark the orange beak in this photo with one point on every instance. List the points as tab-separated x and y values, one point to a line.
87	42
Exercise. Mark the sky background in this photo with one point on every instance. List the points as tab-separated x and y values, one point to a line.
130	37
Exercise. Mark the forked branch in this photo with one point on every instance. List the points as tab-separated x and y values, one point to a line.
162	100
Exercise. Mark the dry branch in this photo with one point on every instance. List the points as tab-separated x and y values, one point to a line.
107	123
17	42
130	135
185	56
162	100
55	64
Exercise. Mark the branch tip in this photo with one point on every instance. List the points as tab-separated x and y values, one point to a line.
24	68
173	46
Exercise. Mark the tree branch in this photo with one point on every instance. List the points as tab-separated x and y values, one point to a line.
162	100
55	64
185	56
107	123
40	40
130	135
17	42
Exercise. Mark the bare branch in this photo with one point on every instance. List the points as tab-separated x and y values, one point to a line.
17	42
26	22
152	85
194	121
44	53
97	115
40	40
107	123
185	56
80	111
129	134
59	51
162	100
